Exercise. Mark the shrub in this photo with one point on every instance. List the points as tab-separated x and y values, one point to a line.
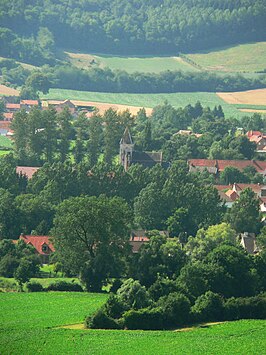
176	309
246	308
100	320
116	285
8	265
132	294
161	287
34	287
144	319
114	306
64	286
8	285
208	307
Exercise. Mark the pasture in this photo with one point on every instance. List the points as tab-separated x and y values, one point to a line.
145	64
145	100
30	324
241	58
5	142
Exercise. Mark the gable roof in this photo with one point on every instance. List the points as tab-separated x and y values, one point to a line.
30	102
12	106
38	241
260	166
27	170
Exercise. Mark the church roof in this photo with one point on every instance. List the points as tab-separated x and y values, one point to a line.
147	159
126	139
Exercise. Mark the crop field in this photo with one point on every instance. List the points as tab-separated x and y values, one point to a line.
7	91
145	64
145	100
241	58
31	323
250	97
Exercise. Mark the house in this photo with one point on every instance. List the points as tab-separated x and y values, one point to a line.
137	239
27	171
10	107
140	237
28	104
42	245
59	106
217	166
259	138
129	156
8	116
230	193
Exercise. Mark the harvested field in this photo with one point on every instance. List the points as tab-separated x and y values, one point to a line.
6	91
250	97
252	110
103	106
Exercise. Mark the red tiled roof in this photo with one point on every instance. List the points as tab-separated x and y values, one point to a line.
37	241
12	106
222	187
202	162
8	116
260	166
4	124
254	133
30	102
26	170
254	187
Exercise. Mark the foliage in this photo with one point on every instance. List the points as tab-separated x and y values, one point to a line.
100	320
98	229
246	308
146	318
64	286
34	287
208	307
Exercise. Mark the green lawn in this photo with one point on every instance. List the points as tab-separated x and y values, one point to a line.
29	321
249	57
5	142
146	100
147	64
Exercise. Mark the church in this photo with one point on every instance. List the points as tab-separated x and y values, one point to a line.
129	156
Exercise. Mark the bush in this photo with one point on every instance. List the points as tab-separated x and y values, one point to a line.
208	307
246	308
145	319
8	265
116	285
34	287
132	294
8	285
114	307
176	309
100	320
64	286
161	287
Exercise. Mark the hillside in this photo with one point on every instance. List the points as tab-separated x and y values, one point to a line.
32	31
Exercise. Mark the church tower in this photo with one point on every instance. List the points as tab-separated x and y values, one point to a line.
126	149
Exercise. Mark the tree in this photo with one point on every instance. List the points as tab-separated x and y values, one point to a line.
205	241
91	237
230	175
38	81
244	215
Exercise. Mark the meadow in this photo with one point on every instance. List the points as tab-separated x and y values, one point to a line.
241	58
145	64
30	324
5	142
146	100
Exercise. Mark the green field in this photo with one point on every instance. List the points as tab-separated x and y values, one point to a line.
132	64
146	100
249	57
5	142
29	321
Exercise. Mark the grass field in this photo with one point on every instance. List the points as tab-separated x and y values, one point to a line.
241	58
146	100
29	325
5	142
130	64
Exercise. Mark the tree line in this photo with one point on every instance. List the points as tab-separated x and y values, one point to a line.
107	80
128	27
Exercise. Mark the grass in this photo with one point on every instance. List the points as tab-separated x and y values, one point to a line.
241	58
146	100
29	325
5	142
145	64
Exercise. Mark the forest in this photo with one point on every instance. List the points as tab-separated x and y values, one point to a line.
136	26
